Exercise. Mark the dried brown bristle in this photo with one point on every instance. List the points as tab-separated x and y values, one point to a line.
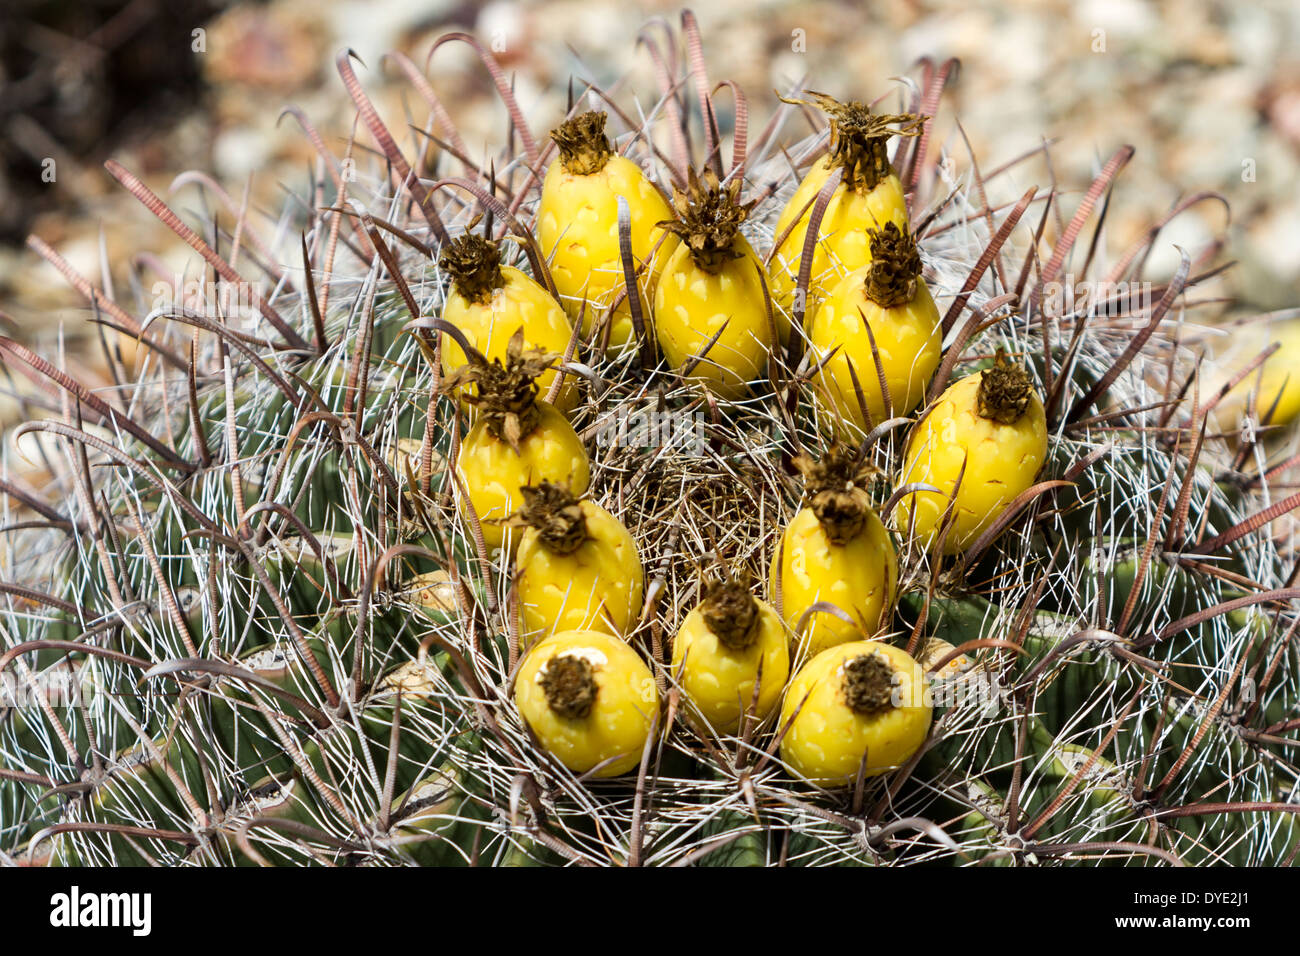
1005	391
835	489
474	264
708	219
869	684
895	266
584	147
859	138
569	686
730	611
506	393
555	514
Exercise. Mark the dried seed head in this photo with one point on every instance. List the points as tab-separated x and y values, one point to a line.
507	394
556	516
708	218
1004	391
869	684
569	686
584	147
474	264
730	611
895	266
836	490
859	138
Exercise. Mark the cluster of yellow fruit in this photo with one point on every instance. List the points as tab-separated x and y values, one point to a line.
856	706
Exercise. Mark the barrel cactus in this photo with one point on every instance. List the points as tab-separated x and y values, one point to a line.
255	617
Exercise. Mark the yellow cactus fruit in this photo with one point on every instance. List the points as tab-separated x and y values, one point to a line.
517	440
577	566
1271	393
489	302
837	551
991	423
869	195
589	699
577	225
728	645
886	303
712	284
862	705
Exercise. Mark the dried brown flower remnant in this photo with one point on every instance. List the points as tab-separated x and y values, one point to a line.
584	147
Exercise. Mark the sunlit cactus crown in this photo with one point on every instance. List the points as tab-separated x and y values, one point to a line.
249	616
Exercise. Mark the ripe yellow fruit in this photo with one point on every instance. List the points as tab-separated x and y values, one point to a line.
859	705
577	225
991	422
869	195
726	646
589	698
577	567
888	303
489	302
1273	387
713	283
836	550
517	440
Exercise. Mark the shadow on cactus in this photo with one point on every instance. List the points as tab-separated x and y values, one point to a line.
260	613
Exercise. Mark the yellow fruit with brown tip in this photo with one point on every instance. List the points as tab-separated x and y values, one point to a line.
731	656
987	430
589	699
577	226
883	311
577	566
835	551
868	196
710	311
517	440
489	302
858	707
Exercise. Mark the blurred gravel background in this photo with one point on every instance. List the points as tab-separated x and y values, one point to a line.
1208	92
